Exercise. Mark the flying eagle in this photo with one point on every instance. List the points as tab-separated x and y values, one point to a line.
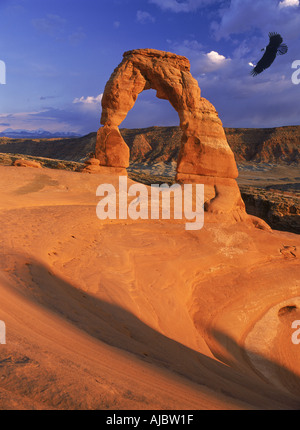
275	47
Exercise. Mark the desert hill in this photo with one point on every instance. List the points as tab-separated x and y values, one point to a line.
72	149
161	144
265	145
270	145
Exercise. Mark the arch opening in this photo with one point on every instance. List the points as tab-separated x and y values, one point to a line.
152	133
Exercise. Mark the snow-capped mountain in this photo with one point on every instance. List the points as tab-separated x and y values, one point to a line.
36	134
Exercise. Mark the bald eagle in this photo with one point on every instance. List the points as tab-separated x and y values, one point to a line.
274	48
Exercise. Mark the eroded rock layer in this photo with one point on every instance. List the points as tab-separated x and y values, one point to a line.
204	149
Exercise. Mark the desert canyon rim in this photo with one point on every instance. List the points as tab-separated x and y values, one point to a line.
123	314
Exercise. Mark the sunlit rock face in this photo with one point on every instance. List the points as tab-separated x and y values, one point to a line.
204	157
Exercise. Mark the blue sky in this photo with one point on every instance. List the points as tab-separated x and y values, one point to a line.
59	55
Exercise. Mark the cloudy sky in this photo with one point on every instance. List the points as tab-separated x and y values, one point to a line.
59	55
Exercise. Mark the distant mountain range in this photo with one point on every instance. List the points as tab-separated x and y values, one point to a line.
35	134
162	144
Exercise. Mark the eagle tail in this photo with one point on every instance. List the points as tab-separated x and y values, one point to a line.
282	49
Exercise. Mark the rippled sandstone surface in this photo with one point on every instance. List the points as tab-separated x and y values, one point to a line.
123	314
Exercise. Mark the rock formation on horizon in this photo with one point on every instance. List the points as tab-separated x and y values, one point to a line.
277	145
205	156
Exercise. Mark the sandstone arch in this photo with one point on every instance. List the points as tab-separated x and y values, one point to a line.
205	156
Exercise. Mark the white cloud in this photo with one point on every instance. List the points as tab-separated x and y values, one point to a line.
55	26
90	100
144	17
242	16
77	37
211	62
289	3
215	57
188	48
33	120
52	25
240	99
79	117
149	111
201	61
182	6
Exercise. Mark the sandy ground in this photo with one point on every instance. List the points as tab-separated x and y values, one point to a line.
123	314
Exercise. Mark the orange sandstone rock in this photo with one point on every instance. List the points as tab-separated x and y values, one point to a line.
27	163
92	161
111	149
204	153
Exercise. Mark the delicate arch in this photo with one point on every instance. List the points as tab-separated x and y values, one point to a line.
205	156
204	150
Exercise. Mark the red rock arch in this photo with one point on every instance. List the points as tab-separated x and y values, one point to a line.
205	156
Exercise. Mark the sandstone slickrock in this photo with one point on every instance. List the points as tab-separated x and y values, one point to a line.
27	163
161	318
92	165
204	155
